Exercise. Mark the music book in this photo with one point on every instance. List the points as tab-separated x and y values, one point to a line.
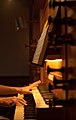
41	47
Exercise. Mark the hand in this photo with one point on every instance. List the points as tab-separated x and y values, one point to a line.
27	89
10	101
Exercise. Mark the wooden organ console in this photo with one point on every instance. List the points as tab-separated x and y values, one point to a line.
55	98
38	106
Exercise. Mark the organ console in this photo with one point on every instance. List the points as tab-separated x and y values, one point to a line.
44	104
40	104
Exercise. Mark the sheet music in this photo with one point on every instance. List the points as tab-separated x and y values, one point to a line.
41	48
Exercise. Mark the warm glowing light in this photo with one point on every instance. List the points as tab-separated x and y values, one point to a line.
56	63
53	60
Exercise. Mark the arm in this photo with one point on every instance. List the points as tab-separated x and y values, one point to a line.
6	90
10	101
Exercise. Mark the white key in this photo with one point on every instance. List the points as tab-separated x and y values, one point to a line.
40	103
19	111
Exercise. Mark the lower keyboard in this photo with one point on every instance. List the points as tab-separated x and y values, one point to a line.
29	110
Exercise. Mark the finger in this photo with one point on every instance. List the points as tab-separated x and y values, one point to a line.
21	101
35	84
